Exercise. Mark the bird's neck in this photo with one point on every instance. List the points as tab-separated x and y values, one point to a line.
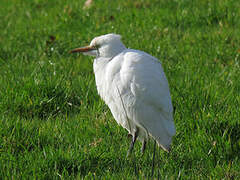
112	50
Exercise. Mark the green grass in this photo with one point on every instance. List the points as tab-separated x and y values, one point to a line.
54	125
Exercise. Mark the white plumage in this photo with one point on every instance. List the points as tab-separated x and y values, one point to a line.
133	85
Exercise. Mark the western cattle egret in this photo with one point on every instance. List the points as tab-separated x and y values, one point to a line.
133	85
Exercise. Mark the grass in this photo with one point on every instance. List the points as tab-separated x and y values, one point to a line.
54	125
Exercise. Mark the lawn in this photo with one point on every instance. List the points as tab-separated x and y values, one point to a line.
54	125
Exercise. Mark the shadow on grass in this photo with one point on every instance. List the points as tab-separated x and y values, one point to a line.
100	164
90	164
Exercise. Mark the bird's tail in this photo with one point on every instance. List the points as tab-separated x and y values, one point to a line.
165	144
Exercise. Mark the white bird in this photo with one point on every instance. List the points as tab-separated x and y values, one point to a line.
133	85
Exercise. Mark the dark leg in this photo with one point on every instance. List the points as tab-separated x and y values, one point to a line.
143	146
134	138
153	161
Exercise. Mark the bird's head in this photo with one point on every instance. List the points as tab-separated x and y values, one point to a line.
108	45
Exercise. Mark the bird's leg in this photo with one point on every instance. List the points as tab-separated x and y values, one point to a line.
143	146
134	138
153	161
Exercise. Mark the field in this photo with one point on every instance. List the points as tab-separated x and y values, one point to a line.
54	125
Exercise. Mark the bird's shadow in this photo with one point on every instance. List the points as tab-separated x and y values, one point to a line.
100	164
94	164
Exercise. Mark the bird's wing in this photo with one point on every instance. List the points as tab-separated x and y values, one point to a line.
144	75
147	79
